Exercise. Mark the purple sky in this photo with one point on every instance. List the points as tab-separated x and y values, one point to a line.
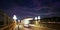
31	8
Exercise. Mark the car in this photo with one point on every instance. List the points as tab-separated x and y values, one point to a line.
26	25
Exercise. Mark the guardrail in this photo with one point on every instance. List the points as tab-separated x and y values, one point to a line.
8	27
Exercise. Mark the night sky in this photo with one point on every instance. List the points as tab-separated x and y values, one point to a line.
31	8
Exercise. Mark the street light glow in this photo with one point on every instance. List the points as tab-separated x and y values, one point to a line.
14	17
35	18
18	20
38	17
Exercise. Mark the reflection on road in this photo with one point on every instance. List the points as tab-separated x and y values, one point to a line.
27	28
45	26
33	28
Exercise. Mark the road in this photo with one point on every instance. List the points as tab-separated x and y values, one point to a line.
42	27
34	28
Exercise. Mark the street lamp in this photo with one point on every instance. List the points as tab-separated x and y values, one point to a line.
38	18
15	18
18	21
36	22
35	18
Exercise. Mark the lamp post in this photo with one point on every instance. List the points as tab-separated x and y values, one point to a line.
39	18
36	20
18	22
15	18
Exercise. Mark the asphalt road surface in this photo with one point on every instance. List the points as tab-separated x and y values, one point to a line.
47	26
